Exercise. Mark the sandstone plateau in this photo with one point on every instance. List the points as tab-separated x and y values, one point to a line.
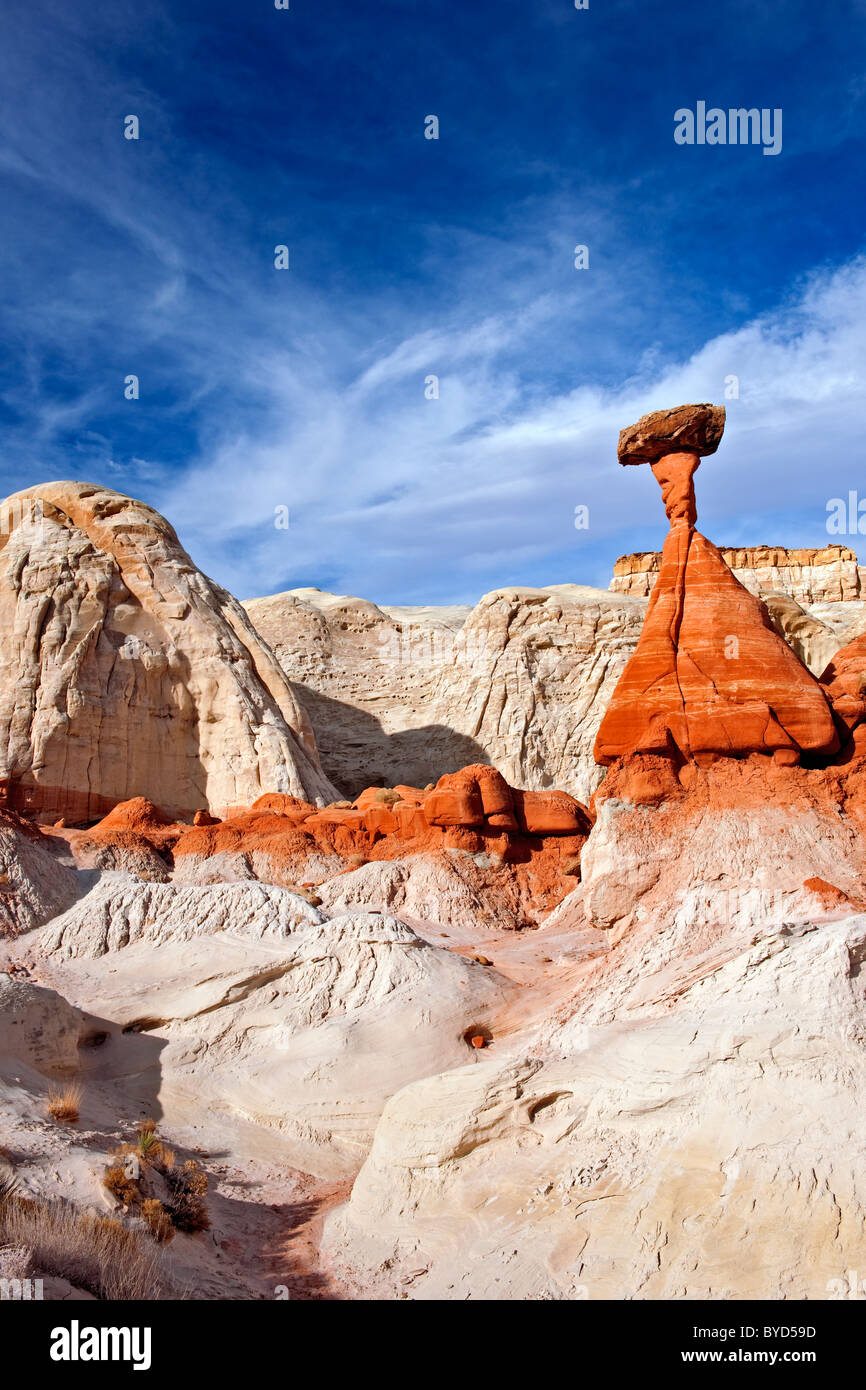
829	575
511	952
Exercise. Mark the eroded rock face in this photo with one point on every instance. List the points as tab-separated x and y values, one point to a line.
34	884
125	672
734	846
813	638
685	1124
38	1027
121	911
448	888
519	847
844	680
809	576
403	695
705	1143
259	1007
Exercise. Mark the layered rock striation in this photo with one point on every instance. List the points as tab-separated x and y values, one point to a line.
404	695
809	576
710	677
124	671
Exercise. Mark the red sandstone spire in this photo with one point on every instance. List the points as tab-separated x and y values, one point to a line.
710	676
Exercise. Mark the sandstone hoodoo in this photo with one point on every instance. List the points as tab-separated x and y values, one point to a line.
125	672
710	676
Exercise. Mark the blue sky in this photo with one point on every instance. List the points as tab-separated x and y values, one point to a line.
409	257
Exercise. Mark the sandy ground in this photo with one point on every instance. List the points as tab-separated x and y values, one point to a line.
267	1216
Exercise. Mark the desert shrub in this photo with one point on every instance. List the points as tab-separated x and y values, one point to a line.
122	1186
188	1187
126	1179
97	1254
151	1149
571	865
63	1102
148	1145
158	1220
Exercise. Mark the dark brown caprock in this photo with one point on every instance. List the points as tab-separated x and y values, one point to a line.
686	429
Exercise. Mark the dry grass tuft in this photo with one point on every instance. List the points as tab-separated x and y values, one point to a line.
16	1262
119	1181
9	1186
64	1101
188	1186
97	1254
158	1220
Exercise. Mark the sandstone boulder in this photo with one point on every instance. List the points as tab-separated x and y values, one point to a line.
125	672
695	429
524	839
844	681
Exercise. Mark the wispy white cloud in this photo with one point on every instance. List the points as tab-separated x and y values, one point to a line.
395	496
306	390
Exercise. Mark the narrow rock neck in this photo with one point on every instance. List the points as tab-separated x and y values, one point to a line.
674	473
